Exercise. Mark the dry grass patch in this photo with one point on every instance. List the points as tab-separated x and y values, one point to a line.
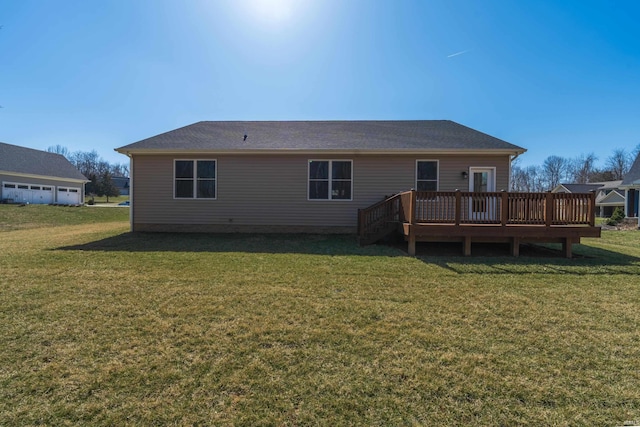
106	328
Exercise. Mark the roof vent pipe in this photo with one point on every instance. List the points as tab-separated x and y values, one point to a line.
245	137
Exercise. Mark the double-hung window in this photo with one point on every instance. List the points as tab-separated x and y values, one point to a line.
427	175
330	179
195	179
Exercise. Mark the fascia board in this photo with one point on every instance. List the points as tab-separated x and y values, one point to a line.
279	152
51	178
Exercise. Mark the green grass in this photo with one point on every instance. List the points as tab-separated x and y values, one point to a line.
103	327
16	217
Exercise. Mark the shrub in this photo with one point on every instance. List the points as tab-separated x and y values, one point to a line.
616	217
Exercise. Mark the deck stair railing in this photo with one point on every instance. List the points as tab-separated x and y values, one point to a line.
463	208
381	219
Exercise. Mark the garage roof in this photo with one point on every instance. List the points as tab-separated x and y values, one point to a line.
22	160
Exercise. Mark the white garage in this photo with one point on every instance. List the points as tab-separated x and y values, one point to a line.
38	177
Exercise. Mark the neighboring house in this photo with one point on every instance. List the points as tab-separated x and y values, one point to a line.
122	184
302	176
631	184
38	177
609	195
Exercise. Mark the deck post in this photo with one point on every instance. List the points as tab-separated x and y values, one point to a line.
592	209
505	208
548	212
458	207
566	246
466	246
515	247
412	207
412	218
412	242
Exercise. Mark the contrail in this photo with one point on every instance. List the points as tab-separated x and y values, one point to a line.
457	53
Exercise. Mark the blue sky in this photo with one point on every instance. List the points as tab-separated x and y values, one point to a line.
556	77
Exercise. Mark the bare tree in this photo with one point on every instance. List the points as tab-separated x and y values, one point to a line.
635	153
526	180
59	149
581	168
554	169
618	163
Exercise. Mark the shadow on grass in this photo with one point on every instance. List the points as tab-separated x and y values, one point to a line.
311	244
495	258
487	258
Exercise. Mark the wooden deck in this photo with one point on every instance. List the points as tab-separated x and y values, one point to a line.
468	217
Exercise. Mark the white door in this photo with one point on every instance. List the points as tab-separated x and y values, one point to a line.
68	196
41	194
483	206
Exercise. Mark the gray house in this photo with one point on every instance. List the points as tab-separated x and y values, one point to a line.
302	176
609	195
631	184
38	177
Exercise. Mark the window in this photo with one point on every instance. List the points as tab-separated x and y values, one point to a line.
9	186
195	179
330	179
427	175
35	187
23	187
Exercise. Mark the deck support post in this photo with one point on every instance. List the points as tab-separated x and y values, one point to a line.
566	246
466	246
515	246
412	243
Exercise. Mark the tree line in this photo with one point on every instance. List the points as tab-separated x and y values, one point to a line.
98	171
579	170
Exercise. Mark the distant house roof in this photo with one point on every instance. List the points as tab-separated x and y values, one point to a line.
120	181
366	136
577	188
632	178
613	198
608	184
27	161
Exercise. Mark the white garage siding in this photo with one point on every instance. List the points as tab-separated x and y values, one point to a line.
27	193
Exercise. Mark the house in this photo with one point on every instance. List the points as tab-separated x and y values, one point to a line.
122	184
301	176
609	195
38	177
631	184
429	180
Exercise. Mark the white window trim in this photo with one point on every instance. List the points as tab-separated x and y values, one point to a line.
329	199
437	172
29	186
195	179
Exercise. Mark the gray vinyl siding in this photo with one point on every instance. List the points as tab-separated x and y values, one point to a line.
270	190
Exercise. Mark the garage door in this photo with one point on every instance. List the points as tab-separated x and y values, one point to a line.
68	196
27	193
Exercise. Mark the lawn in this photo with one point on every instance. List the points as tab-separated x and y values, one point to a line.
103	327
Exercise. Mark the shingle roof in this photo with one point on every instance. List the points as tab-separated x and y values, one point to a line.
323	135
35	162
581	188
633	176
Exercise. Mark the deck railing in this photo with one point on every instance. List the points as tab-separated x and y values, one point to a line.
471	208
